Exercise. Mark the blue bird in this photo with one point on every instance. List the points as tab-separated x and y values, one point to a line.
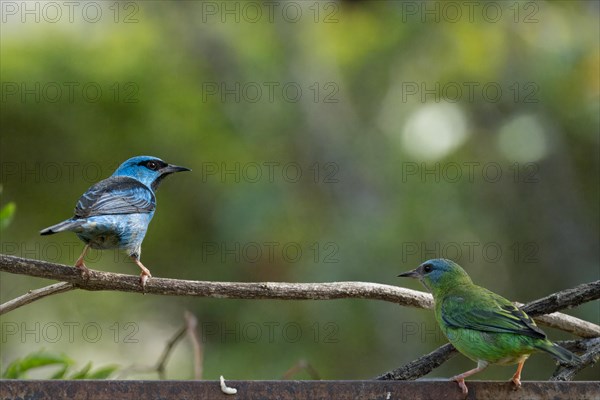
115	212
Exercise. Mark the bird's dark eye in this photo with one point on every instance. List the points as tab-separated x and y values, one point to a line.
427	268
153	165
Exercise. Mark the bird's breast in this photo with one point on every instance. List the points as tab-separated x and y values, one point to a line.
512	360
125	231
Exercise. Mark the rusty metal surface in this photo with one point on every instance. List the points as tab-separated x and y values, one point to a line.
297	390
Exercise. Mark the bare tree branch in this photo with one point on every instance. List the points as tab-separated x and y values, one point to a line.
568	323
421	366
35	294
567	298
591	355
98	280
586	292
427	363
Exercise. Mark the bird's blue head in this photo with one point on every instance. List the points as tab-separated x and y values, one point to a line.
439	274
148	170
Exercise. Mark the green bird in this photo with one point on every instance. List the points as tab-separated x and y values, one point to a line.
482	325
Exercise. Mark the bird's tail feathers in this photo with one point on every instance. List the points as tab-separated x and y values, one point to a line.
61	226
560	353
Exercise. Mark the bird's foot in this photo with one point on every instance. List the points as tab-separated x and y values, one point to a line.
85	272
517	382
462	385
516	379
144	276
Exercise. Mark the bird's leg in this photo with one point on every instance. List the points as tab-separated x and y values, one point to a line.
516	379
145	271
79	264
460	379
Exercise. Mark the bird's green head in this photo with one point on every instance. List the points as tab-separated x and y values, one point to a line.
439	274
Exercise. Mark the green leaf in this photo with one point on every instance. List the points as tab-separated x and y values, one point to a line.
82	374
60	374
103	373
6	214
19	367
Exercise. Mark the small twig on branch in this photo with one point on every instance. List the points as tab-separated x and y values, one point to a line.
34	295
160	367
301	365
191	323
161	364
590	356
421	366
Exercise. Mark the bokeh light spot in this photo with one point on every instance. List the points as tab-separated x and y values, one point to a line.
434	131
523	139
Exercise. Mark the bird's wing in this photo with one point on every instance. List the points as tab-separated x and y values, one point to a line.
116	195
487	312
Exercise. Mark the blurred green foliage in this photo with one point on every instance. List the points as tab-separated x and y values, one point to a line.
18	368
6	214
384	125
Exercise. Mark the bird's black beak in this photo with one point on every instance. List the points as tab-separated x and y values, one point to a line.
169	169
410	274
